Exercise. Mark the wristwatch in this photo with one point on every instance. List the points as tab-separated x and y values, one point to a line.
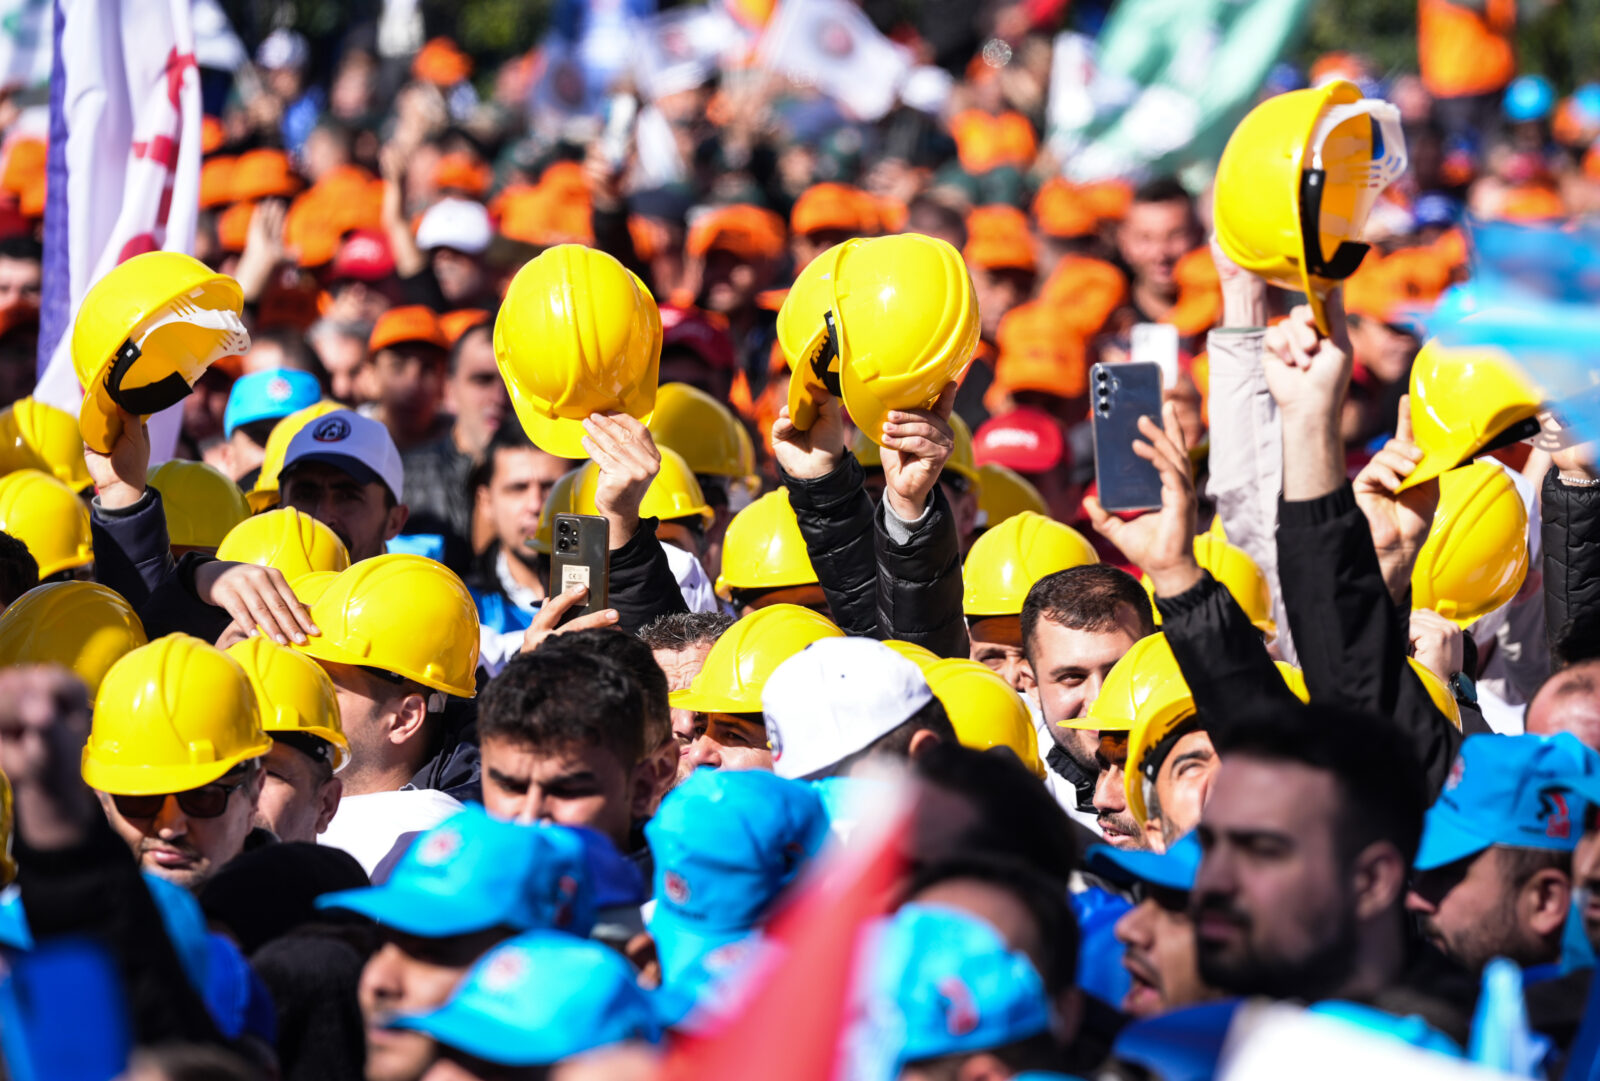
1464	689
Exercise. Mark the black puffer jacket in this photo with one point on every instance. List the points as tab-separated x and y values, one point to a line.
1571	536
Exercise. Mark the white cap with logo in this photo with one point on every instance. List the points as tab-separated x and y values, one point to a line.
348	441
458	224
834	698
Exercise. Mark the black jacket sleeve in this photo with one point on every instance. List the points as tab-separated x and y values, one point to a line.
132	554
642	584
1347	630
1219	651
173	606
919	581
836	520
1571	537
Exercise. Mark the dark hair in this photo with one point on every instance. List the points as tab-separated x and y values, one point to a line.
1577	641
508	436
195	1062
1087	598
560	697
486	326
22	247
896	743
681	630
1162	189
950	220
633	655
297	354
19	571
1385	792
1033	1053
1518	865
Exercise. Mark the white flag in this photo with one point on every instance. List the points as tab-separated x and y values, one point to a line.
832	45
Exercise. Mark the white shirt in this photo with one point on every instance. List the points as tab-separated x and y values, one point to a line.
372	826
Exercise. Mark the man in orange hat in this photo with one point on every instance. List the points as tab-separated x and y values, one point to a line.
829	214
1160	229
739	249
999	253
408	367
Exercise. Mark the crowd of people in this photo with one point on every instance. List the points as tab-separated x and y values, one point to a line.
316	761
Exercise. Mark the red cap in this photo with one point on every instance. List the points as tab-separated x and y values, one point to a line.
1026	440
697	331
364	256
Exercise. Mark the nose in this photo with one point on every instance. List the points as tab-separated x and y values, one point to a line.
1109	797
1415	902
1011	669
532	807
171	822
380	979
1091	691
1132	929
705	753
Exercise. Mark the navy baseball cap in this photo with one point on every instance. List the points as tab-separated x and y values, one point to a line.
1173	869
269	395
473	872
726	843
1520	791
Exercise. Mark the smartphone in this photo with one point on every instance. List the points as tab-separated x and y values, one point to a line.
622	113
1156	343
1119	394
582	557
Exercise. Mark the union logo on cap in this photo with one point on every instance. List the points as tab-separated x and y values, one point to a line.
960	1011
1458	770
439	848
504	970
676	888
331	430
278	389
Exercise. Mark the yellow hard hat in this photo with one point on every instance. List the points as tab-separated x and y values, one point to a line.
293	693
78	625
308	588
578	333
1007	560
1295	679
882	323
293	542
404	614
1465	402
200	502
763	548
48	517
961	462
559	501
8	864
144	334
744	657
264	496
1144	687
1297	180
1233	567
920	656
1004	493
1476	554
984	710
34	435
705	431
673	494
170	716
1438	690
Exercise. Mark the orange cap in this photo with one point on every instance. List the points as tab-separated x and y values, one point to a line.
463	173
535	214
233	227
25	160
985	141
212	134
264	174
565	178
454	324
441	63
753	233
216	182
834	207
1108	200
1061	211
1084	291
1451	247
1199	306
997	238
1039	352
1535	202
30	204
410	323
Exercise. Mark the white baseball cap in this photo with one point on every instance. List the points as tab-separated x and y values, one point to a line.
834	698
348	441
459	224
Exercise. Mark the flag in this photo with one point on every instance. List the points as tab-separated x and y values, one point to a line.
124	165
833	46
24	43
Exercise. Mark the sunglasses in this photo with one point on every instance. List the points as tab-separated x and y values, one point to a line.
207	801
1170	899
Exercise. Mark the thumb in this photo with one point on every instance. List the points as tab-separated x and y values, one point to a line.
1104	524
946	403
1402	421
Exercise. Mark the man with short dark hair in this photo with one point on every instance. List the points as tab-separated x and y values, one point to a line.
344	471
1159	229
680	642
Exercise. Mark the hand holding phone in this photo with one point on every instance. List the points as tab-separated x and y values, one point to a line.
581	559
1119	394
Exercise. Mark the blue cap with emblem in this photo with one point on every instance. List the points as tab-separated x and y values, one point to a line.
472	872
1519	791
1173	869
540	998
725	844
269	395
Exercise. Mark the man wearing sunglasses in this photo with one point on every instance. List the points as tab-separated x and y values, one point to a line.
174	753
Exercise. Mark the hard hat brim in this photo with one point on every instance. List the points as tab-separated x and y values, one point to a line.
1097	724
806	392
703	702
321	648
99	422
1432	467
560	436
119	780
262	499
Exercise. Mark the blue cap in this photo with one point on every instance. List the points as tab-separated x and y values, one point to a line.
14	931
1528	98
1435	208
1409	1029
472	872
953	985
1521	791
540	998
725	844
707	988
1172	870
1586	99
269	395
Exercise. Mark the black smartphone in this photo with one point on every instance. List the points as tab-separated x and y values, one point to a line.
582	557
1119	394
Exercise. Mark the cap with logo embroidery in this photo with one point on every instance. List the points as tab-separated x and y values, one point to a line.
725	844
1519	791
352	443
269	395
1027	440
472	872
834	698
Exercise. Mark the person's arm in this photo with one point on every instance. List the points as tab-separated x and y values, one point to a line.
643	586
1570	523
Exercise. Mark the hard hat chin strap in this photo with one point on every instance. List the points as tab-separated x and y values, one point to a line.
1347	256
824	355
146	400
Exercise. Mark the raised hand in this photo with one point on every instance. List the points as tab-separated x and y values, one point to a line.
255	597
1399	521
119	477
916	444
546	622
628	461
815	452
1161	543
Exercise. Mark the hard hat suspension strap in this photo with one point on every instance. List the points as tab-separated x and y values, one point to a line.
147	400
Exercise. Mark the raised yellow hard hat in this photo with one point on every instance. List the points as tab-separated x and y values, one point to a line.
578	333
1438	690
1007	560
1233	567
78	625
1144	687
145	332
673	494
744	657
1465	402
984	709
705	431
264	495
763	548
1476	554
289	540
200	502
170	716
882	323
8	819
560	501
1004	493
920	656
48	517
34	435
961	462
293	693
404	614
1297	180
